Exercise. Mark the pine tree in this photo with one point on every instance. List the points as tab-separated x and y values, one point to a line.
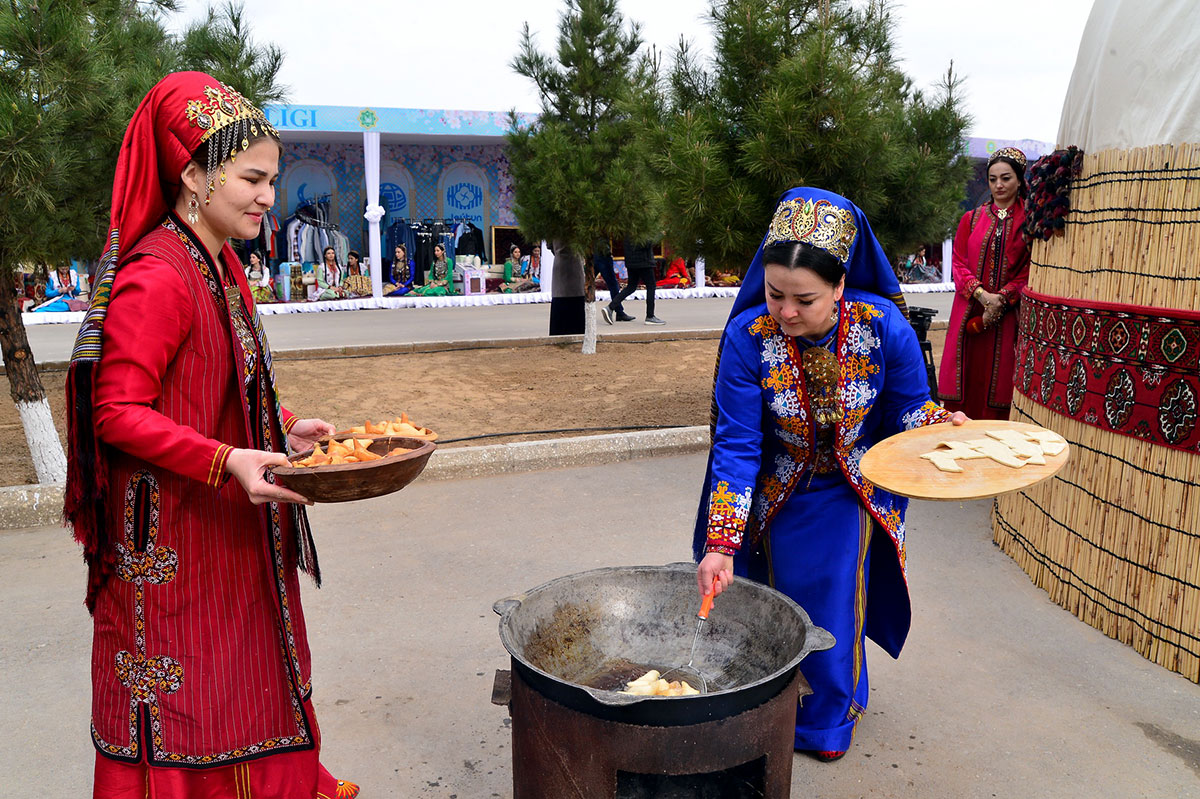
805	92
221	45
71	74
581	173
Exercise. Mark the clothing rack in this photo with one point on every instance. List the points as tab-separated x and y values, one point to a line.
315	212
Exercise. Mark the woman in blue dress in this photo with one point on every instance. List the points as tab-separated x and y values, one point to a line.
817	363
63	285
402	274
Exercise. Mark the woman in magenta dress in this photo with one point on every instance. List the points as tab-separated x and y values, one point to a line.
990	267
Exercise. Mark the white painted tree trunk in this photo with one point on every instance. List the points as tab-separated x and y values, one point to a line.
589	328
49	461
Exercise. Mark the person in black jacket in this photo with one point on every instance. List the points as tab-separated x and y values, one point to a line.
639	262
603	260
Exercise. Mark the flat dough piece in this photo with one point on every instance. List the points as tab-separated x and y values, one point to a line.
943	460
1037	459
960	450
1001	453
1017	442
1044	435
1051	442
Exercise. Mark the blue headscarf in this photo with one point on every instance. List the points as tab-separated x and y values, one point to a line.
867	269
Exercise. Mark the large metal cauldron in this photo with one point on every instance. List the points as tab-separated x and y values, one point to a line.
579	638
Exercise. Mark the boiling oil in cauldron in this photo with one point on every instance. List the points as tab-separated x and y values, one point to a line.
612	675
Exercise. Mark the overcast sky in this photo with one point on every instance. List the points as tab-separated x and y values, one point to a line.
1016	56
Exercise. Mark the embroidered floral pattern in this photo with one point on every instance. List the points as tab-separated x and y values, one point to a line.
727	515
791	454
155	567
781	378
346	789
245	336
927	414
144	677
765	326
142	563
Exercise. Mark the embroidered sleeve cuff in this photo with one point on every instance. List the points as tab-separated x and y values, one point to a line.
289	423
731	551
727	515
216	470
970	286
927	414
1011	296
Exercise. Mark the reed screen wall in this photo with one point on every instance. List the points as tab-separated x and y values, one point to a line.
1115	536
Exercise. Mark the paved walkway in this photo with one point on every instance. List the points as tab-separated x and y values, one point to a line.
373	328
999	692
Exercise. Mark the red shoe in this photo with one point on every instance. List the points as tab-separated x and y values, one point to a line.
828	757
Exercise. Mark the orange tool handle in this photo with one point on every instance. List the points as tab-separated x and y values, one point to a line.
706	605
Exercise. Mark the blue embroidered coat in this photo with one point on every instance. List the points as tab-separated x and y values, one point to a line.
764	447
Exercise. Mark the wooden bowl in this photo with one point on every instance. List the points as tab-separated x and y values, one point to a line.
350	481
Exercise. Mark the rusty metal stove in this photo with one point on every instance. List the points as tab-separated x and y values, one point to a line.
561	752
574	641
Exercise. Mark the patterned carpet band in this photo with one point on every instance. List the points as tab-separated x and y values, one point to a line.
1130	369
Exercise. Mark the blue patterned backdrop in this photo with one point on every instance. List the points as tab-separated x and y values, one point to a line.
309	170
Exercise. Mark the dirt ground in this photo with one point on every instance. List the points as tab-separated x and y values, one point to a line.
474	392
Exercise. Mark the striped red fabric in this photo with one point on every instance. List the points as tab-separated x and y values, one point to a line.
200	655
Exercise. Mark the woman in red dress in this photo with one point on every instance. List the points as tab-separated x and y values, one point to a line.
676	276
990	267
200	661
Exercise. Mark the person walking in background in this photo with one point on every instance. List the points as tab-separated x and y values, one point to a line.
603	261
990	267
639	263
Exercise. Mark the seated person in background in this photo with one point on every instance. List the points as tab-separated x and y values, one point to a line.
62	287
725	279
259	278
676	276
329	277
437	279
916	269
517	272
356	283
535	268
402	274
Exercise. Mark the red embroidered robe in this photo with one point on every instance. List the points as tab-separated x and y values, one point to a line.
977	370
200	655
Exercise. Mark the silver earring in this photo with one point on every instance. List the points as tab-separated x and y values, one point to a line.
193	213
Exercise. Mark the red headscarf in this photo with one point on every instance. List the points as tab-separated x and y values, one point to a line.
182	111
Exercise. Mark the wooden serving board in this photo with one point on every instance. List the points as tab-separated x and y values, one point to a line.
895	464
